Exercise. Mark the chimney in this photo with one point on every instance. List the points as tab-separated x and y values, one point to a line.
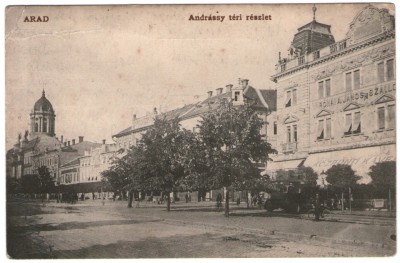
219	91
62	139
69	143
104	141
65	144
245	82
73	141
209	93
155	111
229	87
80	138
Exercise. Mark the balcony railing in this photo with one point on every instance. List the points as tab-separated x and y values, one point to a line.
297	61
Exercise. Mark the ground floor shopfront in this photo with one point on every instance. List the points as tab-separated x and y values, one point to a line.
360	159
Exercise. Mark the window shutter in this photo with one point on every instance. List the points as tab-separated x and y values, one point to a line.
320	134
328	128
288	99
357	122
320	89
348	124
348	82
381	72
381	118
391	117
390	69
356	78
327	88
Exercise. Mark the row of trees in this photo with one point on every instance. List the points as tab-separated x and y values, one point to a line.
224	153
40	183
383	180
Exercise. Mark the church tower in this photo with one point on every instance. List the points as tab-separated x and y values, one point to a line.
43	117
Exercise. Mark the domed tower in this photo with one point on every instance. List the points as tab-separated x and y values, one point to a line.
43	117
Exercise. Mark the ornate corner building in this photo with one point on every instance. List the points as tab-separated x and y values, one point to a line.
336	100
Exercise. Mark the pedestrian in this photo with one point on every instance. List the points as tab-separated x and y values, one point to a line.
219	200
317	207
238	201
259	201
254	200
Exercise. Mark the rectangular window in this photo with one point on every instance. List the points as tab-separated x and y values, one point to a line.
390	69
288	98
381	72
391	117
353	80
328	128
348	124
289	133
381	118
348	81
320	133
320	89
275	128
357	123
356	79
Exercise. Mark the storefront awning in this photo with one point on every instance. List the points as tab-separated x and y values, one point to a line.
360	159
285	165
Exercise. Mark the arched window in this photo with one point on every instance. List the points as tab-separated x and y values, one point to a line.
44	125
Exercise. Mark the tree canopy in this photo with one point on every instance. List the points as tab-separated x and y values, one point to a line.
341	176
233	147
383	175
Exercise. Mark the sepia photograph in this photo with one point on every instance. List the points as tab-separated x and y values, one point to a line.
166	131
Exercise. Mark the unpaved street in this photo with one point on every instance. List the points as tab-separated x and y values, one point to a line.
91	230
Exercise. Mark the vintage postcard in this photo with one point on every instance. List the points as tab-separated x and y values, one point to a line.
200	131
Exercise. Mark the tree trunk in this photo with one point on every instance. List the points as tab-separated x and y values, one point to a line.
168	202
130	198
248	199
227	204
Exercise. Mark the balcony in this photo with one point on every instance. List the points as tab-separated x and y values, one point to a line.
289	147
294	61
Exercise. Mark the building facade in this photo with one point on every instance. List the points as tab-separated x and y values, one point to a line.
190	115
39	147
336	100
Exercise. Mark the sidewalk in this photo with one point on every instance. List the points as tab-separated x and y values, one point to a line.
210	204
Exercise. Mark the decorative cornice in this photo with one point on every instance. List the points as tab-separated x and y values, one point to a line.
378	39
354	146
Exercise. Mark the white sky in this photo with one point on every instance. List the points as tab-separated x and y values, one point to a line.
100	65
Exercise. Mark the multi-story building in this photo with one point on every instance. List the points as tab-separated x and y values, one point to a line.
336	100
39	146
95	161
190	115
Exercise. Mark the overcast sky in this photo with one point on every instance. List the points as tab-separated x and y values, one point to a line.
100	65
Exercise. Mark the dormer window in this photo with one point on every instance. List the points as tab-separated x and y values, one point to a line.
237	95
